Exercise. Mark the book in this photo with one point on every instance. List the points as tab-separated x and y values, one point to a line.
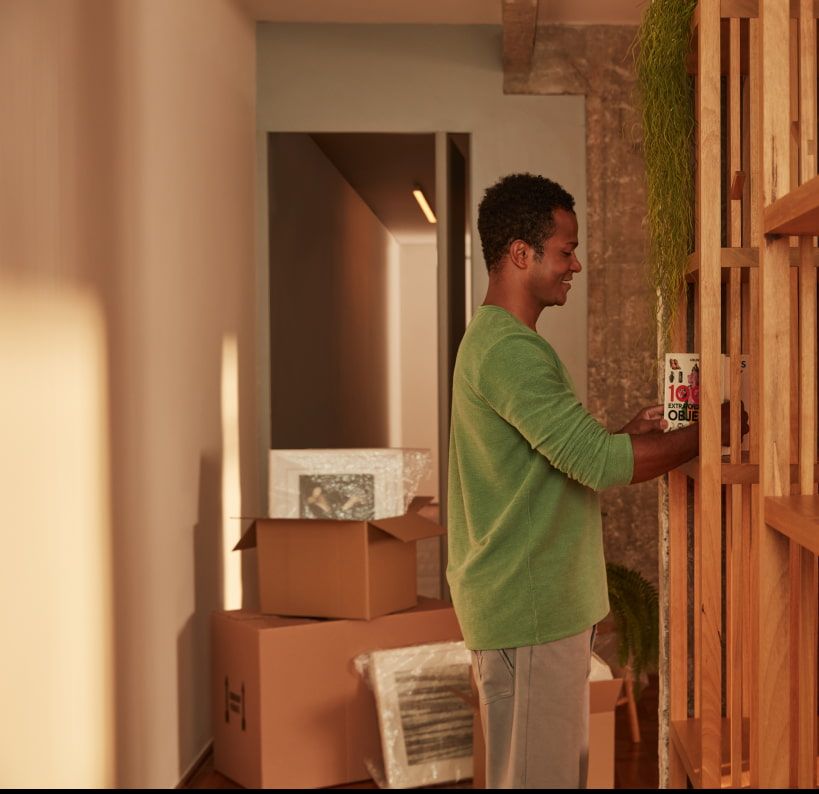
681	401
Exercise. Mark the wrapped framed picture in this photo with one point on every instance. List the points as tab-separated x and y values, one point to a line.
342	484
424	713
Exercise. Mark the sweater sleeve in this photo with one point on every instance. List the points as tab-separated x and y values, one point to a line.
520	377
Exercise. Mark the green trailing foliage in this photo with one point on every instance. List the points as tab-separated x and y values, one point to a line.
635	607
666	100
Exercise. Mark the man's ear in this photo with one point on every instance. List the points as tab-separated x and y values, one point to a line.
520	254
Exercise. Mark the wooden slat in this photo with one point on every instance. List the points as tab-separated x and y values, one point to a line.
744	473
696	651
749	257
795	516
734	159
709	310
753	640
793	50
737	180
794	212
773	672
807	365
749	9
806	669
754	367
755	220
678	590
684	736
734	617
793	302
792	693
807	252
678	582
807	595
733	516
747	644
746	138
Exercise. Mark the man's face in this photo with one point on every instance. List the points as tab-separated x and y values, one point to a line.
550	276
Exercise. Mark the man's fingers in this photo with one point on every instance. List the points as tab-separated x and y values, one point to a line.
653	412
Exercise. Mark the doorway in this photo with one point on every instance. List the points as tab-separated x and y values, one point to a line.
367	296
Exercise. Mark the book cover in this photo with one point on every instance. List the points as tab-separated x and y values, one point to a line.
681	402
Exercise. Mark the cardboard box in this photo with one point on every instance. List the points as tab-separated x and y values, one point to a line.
338	569
603	696
289	708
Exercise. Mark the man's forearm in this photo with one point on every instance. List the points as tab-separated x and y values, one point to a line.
657	452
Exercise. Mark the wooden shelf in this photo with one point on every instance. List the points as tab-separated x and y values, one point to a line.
797	517
685	735
742	258
797	212
748	9
742	473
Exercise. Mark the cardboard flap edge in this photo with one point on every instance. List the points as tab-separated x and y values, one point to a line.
248	539
408	527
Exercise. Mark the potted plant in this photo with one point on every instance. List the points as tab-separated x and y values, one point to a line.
635	611
633	625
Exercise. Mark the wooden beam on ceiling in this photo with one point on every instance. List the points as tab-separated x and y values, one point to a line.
519	24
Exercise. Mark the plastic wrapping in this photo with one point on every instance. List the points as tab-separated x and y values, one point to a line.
345	484
600	670
422	696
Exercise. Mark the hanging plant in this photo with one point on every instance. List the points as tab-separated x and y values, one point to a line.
666	100
635	608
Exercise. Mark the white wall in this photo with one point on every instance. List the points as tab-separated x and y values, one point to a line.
415	78
127	210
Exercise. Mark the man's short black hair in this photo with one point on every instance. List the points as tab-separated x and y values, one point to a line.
519	207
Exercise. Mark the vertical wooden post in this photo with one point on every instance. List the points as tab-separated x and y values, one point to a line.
808	595
733	530
678	584
710	491
773	673
752	590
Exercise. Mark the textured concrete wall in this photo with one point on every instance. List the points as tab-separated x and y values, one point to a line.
596	61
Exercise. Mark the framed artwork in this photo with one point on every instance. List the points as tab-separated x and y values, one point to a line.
338	484
425	720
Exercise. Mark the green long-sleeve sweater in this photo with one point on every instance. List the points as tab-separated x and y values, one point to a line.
525	463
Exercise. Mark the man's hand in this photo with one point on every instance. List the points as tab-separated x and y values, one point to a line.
656	453
648	420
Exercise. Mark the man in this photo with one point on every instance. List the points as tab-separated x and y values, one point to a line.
526	568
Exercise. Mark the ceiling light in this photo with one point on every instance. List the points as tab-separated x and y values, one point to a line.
424	204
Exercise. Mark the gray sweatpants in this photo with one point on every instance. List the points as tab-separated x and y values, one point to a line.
535	713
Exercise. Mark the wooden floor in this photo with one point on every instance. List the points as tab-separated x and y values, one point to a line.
635	765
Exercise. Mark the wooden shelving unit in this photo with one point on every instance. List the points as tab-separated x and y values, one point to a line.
796	517
742	473
797	212
685	737
742	575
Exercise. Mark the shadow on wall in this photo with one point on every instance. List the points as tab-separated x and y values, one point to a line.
193	671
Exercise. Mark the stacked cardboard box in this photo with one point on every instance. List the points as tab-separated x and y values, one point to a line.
289	707
338	569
